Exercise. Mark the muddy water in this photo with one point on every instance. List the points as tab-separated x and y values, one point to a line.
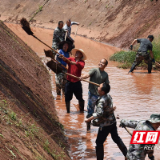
136	96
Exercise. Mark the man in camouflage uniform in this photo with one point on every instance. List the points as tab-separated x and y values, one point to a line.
104	118
139	151
58	36
142	53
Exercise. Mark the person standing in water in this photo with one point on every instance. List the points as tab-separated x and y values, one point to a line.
97	75
104	118
143	54
74	85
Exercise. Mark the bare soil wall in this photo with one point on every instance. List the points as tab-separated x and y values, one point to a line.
29	126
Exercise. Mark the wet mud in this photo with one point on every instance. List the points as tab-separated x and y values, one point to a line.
136	96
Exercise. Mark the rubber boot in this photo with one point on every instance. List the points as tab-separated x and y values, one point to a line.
58	89
68	107
123	148
100	153
132	68
88	123
81	106
149	67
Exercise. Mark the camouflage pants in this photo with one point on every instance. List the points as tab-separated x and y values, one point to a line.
55	47
60	83
140	56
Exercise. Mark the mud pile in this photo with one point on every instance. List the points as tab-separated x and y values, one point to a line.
29	127
117	22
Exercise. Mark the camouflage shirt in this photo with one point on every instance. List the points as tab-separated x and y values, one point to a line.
58	37
105	111
138	151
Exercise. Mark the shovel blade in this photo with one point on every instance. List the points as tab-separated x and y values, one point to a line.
48	53
54	67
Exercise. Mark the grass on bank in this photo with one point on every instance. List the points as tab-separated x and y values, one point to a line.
126	58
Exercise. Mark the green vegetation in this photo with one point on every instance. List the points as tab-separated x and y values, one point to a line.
126	58
30	129
38	10
53	152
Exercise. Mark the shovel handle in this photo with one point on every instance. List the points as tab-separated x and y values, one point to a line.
50	47
59	63
83	79
76	32
127	130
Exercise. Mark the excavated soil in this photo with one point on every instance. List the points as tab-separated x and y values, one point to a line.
29	126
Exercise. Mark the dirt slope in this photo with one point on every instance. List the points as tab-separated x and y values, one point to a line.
29	127
113	21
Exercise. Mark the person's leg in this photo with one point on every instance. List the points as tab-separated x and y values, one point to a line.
68	95
118	140
63	83
58	87
101	137
136	62
91	103
78	94
54	46
148	61
90	107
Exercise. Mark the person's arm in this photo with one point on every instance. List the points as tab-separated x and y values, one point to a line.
80	64
132	44
129	123
99	111
85	76
67	60
89	119
74	23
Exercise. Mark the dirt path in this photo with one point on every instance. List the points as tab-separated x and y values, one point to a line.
136	97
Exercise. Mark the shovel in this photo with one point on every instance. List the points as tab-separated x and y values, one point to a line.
56	67
27	29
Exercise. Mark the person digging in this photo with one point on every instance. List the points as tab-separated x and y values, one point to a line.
97	75
60	78
139	151
73	85
104	118
143	54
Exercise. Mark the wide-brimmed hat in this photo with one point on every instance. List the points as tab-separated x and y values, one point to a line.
69	45
154	118
80	50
